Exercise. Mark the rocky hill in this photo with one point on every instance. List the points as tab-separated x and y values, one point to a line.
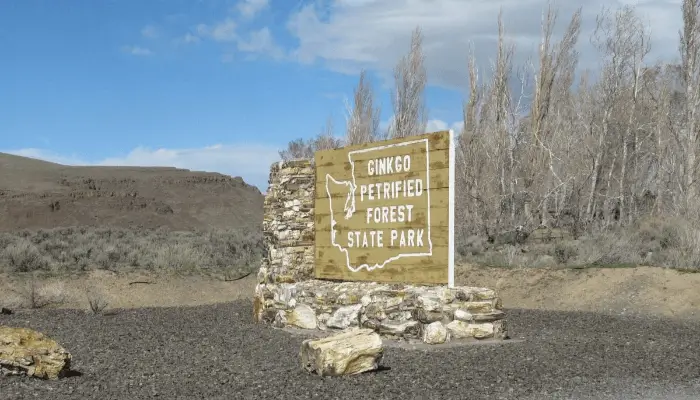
37	194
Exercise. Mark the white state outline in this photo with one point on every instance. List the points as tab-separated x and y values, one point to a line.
350	205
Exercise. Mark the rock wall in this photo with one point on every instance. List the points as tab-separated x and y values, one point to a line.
433	314
287	295
288	223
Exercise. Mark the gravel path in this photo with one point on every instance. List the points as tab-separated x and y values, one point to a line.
216	352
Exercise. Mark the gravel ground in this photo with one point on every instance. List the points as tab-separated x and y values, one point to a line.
217	352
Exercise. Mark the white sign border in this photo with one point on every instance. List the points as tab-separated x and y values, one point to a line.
350	205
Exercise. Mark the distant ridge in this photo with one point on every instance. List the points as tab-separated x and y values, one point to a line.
40	194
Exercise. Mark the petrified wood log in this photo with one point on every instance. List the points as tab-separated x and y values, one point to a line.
350	352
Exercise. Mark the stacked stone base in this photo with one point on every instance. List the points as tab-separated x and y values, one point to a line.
432	314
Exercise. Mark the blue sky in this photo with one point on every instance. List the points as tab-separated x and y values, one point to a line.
221	85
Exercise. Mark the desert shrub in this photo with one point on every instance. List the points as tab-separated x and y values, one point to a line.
24	256
543	261
7	239
663	241
502	256
81	248
472	245
668	242
681	247
178	257
96	300
133	259
35	296
564	252
609	248
672	236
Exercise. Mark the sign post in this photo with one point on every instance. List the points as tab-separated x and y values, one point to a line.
385	211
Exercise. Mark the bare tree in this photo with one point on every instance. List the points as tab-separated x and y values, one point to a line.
487	166
408	100
624	42
297	149
557	63
363	116
690	72
305	149
326	140
666	107
618	145
470	205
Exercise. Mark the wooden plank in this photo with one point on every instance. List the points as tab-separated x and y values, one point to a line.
324	237
419	218
438	179
435	160
379	242
438	198
420	270
392	245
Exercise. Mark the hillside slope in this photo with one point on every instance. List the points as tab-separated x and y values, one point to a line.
38	194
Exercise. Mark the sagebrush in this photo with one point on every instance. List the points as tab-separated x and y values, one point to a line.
669	243
81	249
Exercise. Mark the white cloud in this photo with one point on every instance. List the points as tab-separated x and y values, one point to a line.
254	42
350	34
250	8
435	125
149	31
224	31
189	38
137	50
432	125
261	42
251	162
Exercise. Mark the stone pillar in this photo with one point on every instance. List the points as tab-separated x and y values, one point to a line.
288	223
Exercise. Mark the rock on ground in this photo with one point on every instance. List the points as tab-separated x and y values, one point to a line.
435	333
27	352
348	353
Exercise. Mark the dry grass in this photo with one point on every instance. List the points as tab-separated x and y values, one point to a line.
662	242
668	242
65	250
34	295
96	300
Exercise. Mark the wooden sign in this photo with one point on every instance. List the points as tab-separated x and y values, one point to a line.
385	211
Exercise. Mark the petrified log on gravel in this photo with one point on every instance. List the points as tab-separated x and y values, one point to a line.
25	351
348	353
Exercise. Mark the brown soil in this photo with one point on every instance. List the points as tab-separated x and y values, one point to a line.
644	290
132	290
38	194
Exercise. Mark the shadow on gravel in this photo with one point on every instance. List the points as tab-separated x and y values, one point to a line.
72	374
